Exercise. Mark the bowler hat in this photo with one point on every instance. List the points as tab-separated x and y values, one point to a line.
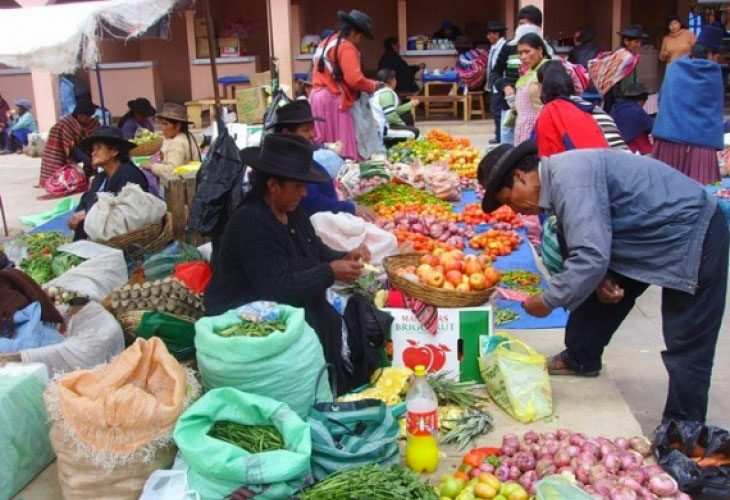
295	112
711	37
634	31
141	106
85	107
285	155
586	35
359	20
496	26
496	166
174	112
462	42
112	136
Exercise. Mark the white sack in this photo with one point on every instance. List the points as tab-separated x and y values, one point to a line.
131	210
346	232
95	278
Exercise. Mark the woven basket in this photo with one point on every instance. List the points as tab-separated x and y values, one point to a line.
428	294
147	148
150	239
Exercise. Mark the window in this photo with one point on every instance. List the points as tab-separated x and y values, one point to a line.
695	22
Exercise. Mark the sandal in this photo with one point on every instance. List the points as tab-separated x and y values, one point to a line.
556	366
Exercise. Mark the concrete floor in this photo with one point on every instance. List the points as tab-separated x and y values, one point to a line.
627	399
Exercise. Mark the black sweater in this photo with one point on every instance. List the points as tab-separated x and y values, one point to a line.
263	259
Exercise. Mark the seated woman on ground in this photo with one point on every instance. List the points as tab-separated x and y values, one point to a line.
138	116
20	124
110	152
395	119
180	146
271	252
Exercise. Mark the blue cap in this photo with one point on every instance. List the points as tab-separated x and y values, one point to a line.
23	103
711	37
326	33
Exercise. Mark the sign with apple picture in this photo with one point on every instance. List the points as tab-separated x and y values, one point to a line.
453	350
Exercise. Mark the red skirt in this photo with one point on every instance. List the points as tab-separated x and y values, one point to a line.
699	163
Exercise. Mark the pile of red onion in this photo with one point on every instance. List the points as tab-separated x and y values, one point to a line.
606	469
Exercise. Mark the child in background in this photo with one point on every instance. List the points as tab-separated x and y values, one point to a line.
394	119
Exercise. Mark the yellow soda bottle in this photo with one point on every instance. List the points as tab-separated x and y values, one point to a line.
422	453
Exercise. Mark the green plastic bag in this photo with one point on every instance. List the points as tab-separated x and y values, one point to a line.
218	469
177	334
65	205
162	264
354	434
25	448
284	366
517	380
558	487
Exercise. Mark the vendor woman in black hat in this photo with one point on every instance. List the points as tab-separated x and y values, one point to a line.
271	252
613	75
139	116
110	152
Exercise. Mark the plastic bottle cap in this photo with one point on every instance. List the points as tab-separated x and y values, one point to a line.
420	370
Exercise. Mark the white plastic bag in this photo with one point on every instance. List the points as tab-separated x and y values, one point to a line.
346	232
169	484
93	337
95	278
131	210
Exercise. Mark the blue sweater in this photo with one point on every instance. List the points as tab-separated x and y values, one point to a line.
691	104
323	198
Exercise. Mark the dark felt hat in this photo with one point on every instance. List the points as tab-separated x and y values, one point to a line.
359	20
462	42
496	26
112	136
711	37
634	31
141	106
496	166
85	107
285	155
295	112
586	35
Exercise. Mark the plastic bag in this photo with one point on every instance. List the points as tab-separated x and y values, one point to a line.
26	449
283	366
195	275
517	380
95	278
30	332
559	488
131	210
169	484
177	333
65	181
222	470
675	441
162	264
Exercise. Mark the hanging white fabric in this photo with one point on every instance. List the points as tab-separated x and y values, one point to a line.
60	38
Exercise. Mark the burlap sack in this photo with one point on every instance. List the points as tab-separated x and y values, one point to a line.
112	426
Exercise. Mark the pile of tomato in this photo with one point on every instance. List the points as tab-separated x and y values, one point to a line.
496	242
422	243
505	214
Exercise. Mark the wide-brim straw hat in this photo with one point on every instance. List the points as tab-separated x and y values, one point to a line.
174	112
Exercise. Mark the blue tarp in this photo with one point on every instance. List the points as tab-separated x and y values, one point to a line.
59	224
724	204
523	258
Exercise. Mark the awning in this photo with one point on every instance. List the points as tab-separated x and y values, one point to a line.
60	38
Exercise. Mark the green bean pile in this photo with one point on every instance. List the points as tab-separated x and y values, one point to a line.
253	328
252	438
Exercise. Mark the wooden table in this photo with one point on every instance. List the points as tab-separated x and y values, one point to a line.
197	107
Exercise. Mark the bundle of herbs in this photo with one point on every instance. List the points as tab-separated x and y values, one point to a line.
253	328
252	438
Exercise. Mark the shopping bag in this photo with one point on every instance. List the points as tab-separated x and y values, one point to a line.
218	469
559	488
178	334
697	456
352	434
517	380
196	275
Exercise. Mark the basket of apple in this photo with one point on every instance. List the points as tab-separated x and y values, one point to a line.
443	278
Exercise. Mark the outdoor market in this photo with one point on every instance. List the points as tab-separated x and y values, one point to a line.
310	291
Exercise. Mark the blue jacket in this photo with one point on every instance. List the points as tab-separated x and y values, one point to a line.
323	198
626	213
691	103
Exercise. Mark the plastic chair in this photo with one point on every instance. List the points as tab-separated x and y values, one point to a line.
2	212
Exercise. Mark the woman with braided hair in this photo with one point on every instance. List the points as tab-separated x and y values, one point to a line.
337	79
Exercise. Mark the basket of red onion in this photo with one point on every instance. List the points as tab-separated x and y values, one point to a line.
606	469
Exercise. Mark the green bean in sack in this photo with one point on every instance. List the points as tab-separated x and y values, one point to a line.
220	436
263	359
